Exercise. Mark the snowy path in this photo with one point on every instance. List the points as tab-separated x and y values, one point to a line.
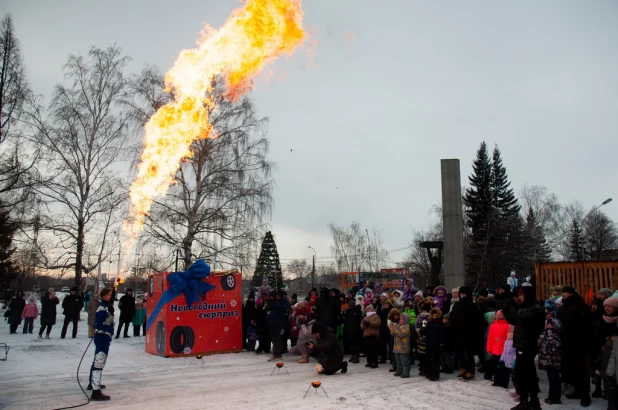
41	375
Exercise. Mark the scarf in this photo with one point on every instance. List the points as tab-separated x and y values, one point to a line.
610	319
371	313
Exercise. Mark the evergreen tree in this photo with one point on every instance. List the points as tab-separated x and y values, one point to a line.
539	250
502	196
477	198
8	272
576	241
497	237
268	265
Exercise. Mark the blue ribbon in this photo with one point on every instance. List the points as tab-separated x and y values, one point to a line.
188	282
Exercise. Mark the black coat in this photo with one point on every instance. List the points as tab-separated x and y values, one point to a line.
127	308
248	312
576	326
48	309
353	319
447	341
467	324
325	314
16	309
529	321
434	334
385	333
72	305
330	355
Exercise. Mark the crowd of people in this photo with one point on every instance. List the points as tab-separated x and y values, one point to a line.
503	333
132	312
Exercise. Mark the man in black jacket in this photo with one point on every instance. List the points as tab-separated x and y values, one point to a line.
575	336
529	320
127	311
351	329
330	355
72	305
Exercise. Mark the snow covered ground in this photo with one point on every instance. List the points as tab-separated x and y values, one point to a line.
41	375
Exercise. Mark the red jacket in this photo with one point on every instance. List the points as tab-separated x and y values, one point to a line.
30	310
497	337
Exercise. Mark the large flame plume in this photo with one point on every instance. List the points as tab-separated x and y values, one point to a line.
253	36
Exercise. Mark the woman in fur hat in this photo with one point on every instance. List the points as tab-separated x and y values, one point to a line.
371	331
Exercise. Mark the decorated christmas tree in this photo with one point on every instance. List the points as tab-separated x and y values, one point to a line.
268	265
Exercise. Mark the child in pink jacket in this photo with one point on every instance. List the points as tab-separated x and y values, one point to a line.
496	339
29	314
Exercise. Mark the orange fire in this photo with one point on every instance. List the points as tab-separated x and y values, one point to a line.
253	36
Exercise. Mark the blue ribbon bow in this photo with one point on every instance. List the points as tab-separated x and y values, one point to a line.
188	282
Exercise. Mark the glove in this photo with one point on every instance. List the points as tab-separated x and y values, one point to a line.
366	322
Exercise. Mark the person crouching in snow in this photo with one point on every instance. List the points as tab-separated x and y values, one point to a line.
330	354
371	331
496	340
401	344
103	333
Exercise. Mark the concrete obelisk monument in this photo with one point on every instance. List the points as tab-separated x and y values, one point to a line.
452	222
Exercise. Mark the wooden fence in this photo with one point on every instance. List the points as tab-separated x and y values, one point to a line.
587	277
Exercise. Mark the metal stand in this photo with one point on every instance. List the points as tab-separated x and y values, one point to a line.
278	369
6	351
316	390
201	359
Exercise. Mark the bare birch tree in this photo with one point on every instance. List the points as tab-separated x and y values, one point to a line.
82	140
222	196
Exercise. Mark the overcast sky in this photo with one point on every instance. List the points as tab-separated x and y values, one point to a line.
394	86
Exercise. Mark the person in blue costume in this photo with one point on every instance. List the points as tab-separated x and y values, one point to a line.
103	333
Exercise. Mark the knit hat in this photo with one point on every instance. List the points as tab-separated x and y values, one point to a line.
484	293
569	289
465	290
370	307
419	293
385	295
613	302
559	301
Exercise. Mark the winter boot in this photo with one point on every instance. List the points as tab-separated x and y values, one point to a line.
354	359
468	376
523	405
344	367
585	401
47	337
598	391
90	386
304	359
534	404
462	373
40	337
98	396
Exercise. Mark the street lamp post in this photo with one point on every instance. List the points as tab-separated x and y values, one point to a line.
315	254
